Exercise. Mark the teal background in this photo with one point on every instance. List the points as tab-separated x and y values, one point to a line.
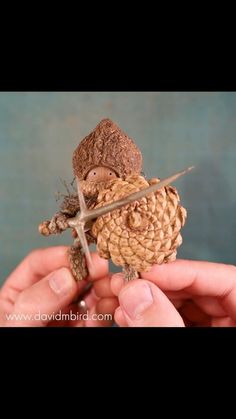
39	131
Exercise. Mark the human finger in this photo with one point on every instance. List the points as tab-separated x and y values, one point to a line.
99	267
144	304
37	305
199	279
102	287
117	283
37	264
119	318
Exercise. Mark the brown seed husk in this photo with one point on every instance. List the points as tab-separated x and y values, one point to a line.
108	146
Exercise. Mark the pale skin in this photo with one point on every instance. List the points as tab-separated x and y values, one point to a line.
180	293
177	294
43	282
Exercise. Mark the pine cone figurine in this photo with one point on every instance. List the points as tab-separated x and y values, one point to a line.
107	166
142	233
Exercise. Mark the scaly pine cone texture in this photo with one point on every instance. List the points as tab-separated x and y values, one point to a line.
144	232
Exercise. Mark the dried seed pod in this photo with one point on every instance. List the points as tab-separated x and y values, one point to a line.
107	146
142	233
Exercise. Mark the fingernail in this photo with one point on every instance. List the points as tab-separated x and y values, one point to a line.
61	281
135	299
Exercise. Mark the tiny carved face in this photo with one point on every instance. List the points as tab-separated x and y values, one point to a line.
100	174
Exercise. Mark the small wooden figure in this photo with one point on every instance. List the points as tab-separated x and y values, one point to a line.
134	221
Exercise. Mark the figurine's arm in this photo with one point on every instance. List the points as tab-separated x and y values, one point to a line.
69	208
58	223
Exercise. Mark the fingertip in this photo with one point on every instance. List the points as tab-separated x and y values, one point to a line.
144	304
99	267
107	306
120	318
62	281
46	297
117	283
102	287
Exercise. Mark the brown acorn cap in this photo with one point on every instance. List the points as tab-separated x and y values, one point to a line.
107	146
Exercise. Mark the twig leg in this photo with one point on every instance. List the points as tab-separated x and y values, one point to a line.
77	263
130	273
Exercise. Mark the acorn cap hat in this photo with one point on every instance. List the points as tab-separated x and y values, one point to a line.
108	146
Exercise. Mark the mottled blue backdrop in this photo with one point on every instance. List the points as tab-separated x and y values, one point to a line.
39	131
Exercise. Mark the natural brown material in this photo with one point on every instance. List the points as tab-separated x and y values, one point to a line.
142	233
77	263
107	146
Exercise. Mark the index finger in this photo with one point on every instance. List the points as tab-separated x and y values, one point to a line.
198	278
39	263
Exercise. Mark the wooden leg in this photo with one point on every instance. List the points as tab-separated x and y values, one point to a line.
130	273
77	263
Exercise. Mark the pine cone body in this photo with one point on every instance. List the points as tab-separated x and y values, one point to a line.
142	233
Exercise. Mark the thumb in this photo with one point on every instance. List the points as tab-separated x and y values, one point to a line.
36	305
144	304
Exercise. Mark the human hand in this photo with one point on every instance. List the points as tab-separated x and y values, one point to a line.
181	293
43	283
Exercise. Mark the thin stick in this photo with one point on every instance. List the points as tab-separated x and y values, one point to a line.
80	227
84	244
91	214
82	204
